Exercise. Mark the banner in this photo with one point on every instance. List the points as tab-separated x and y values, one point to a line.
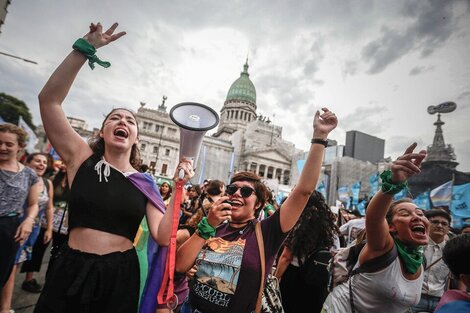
361	207
401	194
442	195
32	139
422	201
343	193
374	184
355	191
322	189
460	205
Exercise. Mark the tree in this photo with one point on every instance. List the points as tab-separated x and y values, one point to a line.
11	109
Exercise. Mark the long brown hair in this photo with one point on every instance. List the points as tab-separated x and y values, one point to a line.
96	143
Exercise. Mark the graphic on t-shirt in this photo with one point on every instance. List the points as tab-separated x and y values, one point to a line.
218	270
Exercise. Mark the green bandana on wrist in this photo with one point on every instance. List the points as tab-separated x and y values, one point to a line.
204	229
388	186
85	48
412	256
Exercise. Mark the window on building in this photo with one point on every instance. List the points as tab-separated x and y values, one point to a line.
164	169
152	164
142	146
167	152
155	149
262	170
171	131
270	172
158	128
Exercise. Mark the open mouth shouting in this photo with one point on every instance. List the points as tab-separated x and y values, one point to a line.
121	133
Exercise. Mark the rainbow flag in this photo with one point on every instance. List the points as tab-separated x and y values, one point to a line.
442	195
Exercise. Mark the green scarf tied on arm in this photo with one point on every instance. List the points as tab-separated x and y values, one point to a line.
85	48
412	256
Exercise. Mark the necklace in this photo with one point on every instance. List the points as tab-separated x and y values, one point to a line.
248	223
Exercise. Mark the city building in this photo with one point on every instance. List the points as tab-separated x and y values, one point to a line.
3	12
364	147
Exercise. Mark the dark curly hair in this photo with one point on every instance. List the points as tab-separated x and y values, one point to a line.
315	229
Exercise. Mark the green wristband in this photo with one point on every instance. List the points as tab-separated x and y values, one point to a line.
388	186
204	229
85	48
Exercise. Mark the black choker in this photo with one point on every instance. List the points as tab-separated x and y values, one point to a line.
240	223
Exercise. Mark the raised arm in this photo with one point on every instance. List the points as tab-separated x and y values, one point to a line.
160	224
379	240
291	209
72	149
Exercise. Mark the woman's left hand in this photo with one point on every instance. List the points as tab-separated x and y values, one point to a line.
187	166
47	236
324	123
24	230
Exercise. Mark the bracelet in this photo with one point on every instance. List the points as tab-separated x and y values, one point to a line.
388	186
204	229
320	141
87	49
32	218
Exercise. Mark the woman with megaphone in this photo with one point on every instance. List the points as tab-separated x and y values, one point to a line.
225	245
97	270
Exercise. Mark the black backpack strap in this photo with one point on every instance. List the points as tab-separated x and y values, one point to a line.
370	266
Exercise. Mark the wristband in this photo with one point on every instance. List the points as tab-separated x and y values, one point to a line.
320	141
388	186
87	49
204	229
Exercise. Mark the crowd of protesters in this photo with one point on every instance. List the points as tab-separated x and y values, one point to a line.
229	238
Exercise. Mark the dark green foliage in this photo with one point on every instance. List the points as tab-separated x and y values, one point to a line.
12	108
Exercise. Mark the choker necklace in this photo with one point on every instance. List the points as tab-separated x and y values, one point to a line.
241	223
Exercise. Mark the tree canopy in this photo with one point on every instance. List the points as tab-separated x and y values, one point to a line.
12	108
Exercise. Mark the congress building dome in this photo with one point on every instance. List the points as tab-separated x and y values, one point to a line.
242	89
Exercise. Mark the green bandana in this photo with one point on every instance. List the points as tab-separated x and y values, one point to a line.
85	48
412	256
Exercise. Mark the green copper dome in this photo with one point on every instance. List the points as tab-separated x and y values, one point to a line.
243	89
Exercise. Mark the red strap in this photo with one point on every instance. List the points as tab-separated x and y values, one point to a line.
169	274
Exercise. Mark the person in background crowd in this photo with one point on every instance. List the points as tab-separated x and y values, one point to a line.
38	163
214	190
42	232
165	192
315	231
98	270
399	227
192	204
269	208
436	273
456	255
352	228
224	246
465	229
20	188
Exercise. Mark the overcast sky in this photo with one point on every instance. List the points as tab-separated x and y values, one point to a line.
377	64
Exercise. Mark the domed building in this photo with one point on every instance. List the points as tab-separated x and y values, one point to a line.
258	144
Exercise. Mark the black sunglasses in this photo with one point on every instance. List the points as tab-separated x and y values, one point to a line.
244	191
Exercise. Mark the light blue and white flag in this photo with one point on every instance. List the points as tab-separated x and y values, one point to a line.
355	191
32	139
374	184
460	205
422	201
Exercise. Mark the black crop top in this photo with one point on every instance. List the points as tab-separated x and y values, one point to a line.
115	206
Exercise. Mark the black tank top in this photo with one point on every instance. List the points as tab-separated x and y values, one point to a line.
115	206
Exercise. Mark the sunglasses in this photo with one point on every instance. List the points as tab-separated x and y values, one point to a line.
245	191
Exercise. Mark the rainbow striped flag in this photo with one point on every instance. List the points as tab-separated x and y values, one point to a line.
442	195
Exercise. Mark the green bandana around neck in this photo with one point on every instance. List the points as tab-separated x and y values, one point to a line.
412	256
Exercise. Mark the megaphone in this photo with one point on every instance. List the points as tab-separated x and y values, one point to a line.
194	120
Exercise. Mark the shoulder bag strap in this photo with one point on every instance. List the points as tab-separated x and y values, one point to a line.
259	239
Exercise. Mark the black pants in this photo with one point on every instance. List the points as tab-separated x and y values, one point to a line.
39	248
8	246
79	282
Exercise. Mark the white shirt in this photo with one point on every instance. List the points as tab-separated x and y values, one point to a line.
435	278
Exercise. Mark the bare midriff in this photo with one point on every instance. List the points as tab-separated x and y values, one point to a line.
97	242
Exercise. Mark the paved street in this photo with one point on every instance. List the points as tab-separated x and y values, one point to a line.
23	302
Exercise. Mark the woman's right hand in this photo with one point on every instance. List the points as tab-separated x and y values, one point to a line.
219	212
97	38
407	165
